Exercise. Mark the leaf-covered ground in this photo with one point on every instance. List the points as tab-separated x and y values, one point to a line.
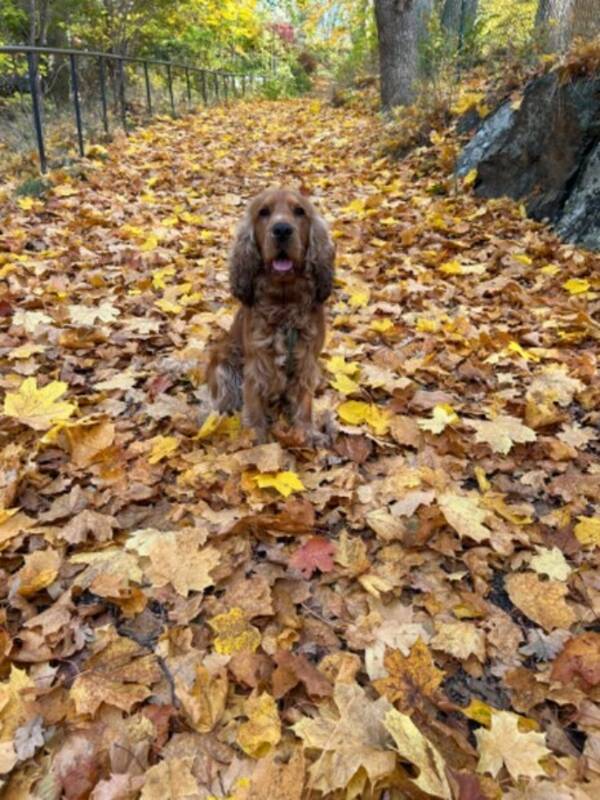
408	612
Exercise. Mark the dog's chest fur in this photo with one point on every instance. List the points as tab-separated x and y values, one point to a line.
282	328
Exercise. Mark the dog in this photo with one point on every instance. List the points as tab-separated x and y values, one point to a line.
281	270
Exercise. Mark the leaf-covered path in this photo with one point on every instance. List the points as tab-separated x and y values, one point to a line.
408	612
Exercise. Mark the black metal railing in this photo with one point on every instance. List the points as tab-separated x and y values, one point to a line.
209	86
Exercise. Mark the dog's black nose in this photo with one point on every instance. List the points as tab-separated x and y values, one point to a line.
282	231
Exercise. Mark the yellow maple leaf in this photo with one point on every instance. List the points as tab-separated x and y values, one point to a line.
382	325
451	267
523	258
168	306
149	244
13	701
286	482
159	277
38	408
262	731
587	531
162	446
234	632
209	426
215	423
26	203
479	711
515	347
356	207
359	298
427	325
576	285
338	365
356	412
443	415
470	177
345	385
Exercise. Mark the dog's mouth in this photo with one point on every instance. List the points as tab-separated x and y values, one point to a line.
282	265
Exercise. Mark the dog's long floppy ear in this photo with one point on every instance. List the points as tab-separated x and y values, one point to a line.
244	262
321	257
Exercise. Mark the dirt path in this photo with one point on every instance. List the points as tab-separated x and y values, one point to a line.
165	619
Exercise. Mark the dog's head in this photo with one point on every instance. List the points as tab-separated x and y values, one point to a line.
281	236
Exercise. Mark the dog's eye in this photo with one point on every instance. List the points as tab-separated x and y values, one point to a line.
264	212
299	211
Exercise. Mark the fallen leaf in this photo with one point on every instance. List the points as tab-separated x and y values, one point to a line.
551	562
315	554
349	736
412	746
171	779
541	601
580	658
162	447
504	744
234	633
501	433
38	408
262	731
38	572
286	483
459	639
410	678
293	669
355	412
587	531
463	513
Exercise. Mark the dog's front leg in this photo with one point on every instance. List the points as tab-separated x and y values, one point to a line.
300	392
255	413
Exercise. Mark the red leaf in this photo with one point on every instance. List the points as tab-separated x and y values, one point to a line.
158	385
317	553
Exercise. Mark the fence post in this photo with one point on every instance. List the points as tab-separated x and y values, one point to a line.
122	101
170	83
75	90
188	86
36	107
148	91
103	103
216	82
203	88
225	88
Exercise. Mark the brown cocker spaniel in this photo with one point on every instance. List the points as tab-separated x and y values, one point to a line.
281	269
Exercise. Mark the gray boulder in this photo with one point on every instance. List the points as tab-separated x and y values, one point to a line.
580	219
545	153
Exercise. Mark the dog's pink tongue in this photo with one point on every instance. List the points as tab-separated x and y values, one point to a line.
282	265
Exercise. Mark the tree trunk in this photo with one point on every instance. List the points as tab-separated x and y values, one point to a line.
563	20
585	18
458	16
401	24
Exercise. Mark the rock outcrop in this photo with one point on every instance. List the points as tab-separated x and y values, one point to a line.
546	152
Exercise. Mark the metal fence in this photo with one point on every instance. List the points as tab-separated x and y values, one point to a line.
124	89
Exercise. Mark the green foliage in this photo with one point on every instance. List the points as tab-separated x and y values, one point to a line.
33	187
506	24
289	80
